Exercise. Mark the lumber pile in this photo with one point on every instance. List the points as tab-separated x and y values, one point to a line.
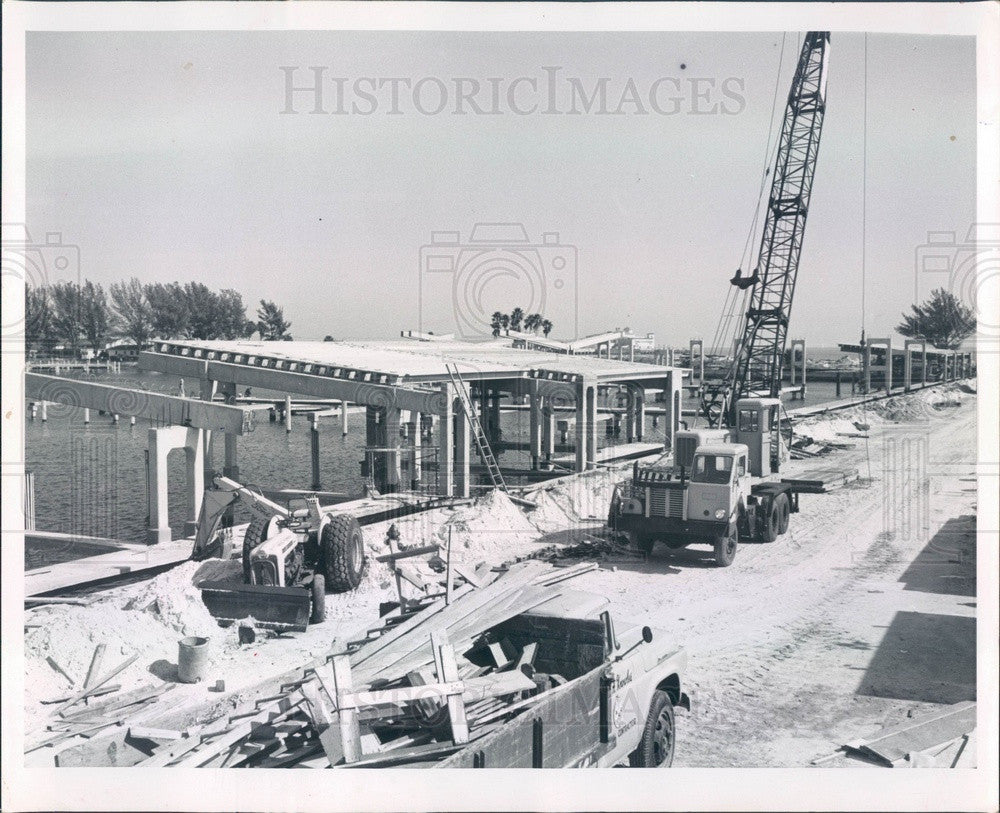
820	481
405	693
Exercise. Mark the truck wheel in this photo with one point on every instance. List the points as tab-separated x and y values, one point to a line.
343	553
784	513
725	547
656	748
770	522
317	591
257	531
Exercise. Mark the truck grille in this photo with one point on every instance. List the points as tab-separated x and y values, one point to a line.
666	502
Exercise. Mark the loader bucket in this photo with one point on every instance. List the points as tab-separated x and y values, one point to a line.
285	608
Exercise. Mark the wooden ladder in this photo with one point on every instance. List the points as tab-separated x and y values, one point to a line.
477	428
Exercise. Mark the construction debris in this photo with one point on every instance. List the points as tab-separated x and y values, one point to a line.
919	742
405	693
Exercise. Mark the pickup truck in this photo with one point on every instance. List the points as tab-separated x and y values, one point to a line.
613	700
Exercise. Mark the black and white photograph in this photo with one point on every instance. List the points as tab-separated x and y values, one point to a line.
500	386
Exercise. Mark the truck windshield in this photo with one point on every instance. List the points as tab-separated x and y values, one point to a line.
712	468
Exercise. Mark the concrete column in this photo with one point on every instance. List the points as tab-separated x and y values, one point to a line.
288	413
314	451
446	443
629	415
194	454
534	421
463	454
494	415
343	418
699	367
591	392
548	429
391	419
416	444
231	468
45	411
581	426
672	397
923	366
158	529
640	413
162	441
888	365
86	415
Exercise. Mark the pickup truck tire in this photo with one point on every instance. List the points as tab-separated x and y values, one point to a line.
770	522
342	544
317	591
786	511
656	748
725	547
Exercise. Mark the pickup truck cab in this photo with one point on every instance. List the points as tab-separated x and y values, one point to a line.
612	696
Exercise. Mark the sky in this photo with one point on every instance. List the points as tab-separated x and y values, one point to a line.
182	156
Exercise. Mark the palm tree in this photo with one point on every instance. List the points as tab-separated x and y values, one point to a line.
516	316
546	327
531	322
495	322
504	321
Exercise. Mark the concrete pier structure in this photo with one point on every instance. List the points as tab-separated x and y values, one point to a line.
389	378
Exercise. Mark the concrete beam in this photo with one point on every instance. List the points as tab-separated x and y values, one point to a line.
169	409
362	393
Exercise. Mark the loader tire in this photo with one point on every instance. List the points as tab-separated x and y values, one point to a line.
656	748
770	523
317	591
725	547
257	531
343	553
784	513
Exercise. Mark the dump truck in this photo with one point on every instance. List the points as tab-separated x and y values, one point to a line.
714	487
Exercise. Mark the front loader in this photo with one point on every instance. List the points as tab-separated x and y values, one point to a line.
291	557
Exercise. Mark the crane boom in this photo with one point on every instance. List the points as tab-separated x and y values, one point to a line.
756	367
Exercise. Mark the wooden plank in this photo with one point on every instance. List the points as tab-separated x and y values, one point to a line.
112	687
51	662
87	692
350	731
407	553
920	733
95	666
447	670
150	733
167	755
142	695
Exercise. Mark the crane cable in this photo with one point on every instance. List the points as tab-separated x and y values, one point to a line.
864	247
724	331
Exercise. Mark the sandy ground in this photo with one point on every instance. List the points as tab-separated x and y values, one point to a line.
863	612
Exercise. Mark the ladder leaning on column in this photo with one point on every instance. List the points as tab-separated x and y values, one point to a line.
477	428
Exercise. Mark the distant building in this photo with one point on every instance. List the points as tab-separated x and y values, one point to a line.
644	344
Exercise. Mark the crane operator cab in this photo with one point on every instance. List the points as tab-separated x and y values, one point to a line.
758	425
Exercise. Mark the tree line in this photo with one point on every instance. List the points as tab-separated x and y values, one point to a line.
77	315
517	320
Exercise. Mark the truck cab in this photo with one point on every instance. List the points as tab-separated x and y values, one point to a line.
705	490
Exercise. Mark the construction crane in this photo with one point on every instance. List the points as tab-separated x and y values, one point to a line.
759	353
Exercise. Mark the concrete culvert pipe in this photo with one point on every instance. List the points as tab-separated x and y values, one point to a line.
192	659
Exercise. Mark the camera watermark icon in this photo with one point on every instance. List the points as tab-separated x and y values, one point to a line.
969	269
29	265
463	283
906	485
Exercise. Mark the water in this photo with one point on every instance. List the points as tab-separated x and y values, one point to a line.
91	478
